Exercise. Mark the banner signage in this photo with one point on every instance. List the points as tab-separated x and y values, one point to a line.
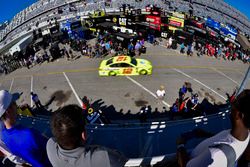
154	22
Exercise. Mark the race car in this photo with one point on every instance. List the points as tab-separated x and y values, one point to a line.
125	65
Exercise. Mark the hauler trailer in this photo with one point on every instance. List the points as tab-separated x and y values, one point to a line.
21	45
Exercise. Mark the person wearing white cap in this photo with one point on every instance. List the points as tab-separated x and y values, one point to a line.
7	104
23	142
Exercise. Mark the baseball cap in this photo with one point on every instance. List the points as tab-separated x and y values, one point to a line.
6	99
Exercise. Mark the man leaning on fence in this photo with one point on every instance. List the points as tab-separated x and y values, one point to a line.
68	149
226	147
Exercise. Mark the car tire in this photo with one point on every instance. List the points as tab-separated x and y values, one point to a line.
143	72
112	73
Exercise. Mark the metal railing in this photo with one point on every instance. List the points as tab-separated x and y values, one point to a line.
144	144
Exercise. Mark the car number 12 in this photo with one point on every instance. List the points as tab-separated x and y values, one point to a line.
127	71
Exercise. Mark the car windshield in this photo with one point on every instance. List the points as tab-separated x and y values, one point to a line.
133	61
109	61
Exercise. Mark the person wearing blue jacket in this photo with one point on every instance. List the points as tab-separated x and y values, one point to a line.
23	142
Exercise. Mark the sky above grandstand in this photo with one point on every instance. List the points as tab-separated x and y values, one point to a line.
8	8
241	5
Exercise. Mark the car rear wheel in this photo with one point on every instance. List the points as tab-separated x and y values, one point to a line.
143	72
112	73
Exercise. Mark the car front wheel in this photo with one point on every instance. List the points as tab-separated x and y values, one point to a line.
143	72
112	73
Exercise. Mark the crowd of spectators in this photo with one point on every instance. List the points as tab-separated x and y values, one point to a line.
187	106
104	44
107	44
218	51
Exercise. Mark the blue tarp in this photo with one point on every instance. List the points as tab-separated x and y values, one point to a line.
142	140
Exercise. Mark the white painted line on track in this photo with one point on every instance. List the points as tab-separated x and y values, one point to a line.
73	89
226	76
31	90
11	84
179	71
140	85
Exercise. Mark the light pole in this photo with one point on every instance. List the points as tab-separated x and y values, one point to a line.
244	81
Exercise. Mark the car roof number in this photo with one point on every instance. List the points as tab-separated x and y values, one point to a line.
121	58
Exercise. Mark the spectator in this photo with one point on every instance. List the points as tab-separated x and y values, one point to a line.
170	41
183	107
231	98
23	142
68	148
94	117
193	104
160	93
174	109
46	57
142	41
68	51
130	48
27	63
144	111
219	52
190	49
137	48
182	47
35	59
183	89
225	148
36	100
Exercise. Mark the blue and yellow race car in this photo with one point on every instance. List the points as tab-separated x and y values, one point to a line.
125	65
